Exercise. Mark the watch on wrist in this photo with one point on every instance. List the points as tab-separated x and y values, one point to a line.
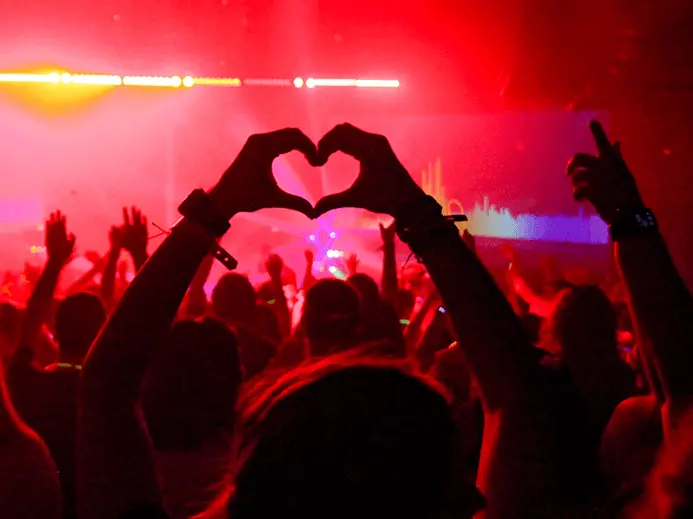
633	222
199	208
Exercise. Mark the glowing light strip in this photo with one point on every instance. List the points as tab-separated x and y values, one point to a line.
360	83
218	81
268	82
66	78
95	79
30	78
153	81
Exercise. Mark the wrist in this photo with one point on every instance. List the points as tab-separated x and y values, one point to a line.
221	204
54	263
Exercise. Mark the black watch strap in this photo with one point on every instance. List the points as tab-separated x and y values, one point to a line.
632	222
198	208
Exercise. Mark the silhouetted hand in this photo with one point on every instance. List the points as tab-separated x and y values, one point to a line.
605	181
387	233
352	264
59	244
310	256
249	185
383	184
134	234
274	266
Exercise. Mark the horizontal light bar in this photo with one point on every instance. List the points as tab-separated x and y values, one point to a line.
153	81
377	83
95	79
218	81
361	83
54	77
67	78
268	82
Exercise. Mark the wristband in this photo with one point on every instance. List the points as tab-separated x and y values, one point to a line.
198	208
634	222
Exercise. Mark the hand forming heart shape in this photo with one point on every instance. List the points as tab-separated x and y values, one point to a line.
383	185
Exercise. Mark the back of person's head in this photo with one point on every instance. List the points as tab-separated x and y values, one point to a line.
584	323
234	298
191	388
368	291
345	438
267	324
78	320
331	316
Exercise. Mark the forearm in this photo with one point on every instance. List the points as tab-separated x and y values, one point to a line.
119	357
488	330
108	278
662	307
389	281
39	304
139	259
283	308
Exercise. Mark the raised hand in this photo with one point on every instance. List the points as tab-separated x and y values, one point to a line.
352	264
134	234
605	180
310	256
383	184
387	234
249	185
59	244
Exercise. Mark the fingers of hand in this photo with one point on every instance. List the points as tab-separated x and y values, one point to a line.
347	139
287	201
582	179
603	144
284	141
335	201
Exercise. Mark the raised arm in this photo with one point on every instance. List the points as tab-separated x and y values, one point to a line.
59	247
116	473
518	467
661	304
108	278
308	276
389	282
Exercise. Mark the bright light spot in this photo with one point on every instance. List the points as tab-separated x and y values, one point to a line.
310	82
54	77
152	81
333	235
66	78
333	253
176	81
188	81
39	227
311	237
332	269
298	82
334	82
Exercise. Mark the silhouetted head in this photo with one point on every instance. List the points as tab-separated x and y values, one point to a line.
234	299
583	323
345	438
78	320
331	316
368	291
191	388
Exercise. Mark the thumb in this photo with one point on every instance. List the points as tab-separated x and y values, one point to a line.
295	203
335	201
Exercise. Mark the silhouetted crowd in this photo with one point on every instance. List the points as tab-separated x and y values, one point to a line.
440	391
